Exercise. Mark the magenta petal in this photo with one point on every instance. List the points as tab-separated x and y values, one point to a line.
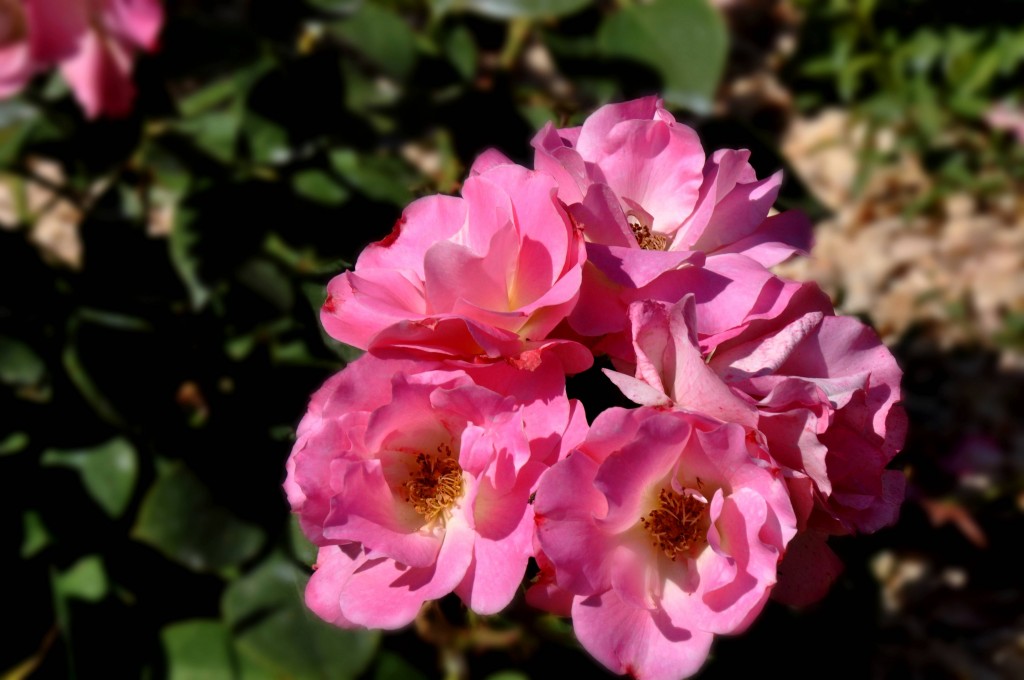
738	214
58	28
100	76
776	239
136	21
634	268
544	593
807	572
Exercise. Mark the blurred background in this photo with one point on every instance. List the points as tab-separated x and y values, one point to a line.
160	277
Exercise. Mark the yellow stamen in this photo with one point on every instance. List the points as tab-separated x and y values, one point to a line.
436	483
678	524
647	239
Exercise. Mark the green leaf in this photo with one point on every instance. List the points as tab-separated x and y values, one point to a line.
212	117
292	642
274	583
302	548
390	666
13	443
198	649
114	320
295	353
17	119
512	9
318	186
19	365
683	40
181	245
382	178
538	115
275	631
108	472
264	277
340	7
268	141
179	518
225	92
460	48
1012	332
85	580
508	675
35	537
83	381
382	37
215	132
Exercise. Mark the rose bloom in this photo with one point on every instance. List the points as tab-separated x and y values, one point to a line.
414	479
484	276
822	390
665	528
94	42
652	205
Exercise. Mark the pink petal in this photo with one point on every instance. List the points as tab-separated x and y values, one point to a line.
635	641
385	594
334	566
57	28
99	74
137	21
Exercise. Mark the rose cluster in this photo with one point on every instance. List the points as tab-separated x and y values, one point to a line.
449	455
93	42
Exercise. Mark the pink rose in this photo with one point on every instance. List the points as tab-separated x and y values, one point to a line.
415	481
821	389
666	527
651	205
488	275
670	198
93	41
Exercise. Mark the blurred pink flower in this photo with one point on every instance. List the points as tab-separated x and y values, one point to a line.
1007	117
648	594
488	275
415	481
94	42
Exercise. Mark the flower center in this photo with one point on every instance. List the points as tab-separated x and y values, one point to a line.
679	523
647	239
435	484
